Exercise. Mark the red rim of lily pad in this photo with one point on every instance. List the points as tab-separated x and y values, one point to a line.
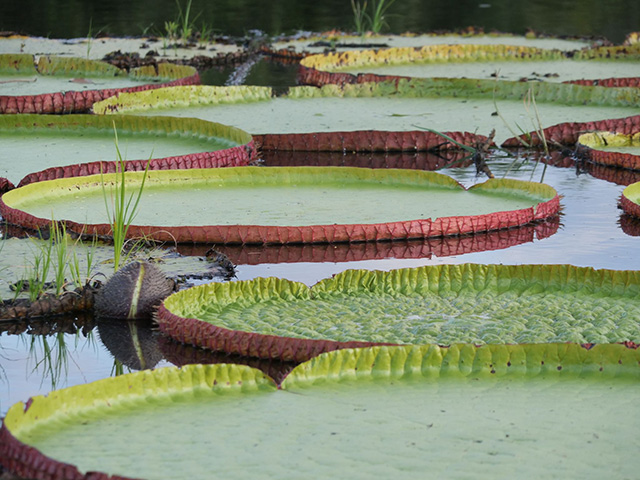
350	252
170	75
242	154
366	141
624	82
431	161
328	233
567	133
5	185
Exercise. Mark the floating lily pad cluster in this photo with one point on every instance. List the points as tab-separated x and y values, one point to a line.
73	85
471	339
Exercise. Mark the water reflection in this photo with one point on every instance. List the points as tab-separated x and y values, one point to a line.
629	225
401	249
180	354
133	343
619	176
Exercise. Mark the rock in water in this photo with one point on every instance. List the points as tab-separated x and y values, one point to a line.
133	292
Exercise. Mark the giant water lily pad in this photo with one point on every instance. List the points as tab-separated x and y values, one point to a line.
98	48
36	147
505	62
630	200
307	118
286	205
481	412
612	148
73	85
436	304
319	43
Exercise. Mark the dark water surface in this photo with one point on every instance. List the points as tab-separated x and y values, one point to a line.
75	18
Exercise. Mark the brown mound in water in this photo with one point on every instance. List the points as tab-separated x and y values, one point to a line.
133	292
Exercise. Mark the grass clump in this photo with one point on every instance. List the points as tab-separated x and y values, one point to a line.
183	26
121	210
373	21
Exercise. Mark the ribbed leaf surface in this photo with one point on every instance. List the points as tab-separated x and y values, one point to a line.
437	304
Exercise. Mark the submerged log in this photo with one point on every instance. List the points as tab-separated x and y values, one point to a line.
80	299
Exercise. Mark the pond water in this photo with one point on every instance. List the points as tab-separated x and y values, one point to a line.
592	231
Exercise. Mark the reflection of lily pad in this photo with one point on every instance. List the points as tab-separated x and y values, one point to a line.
180	354
353	252
380	412
48	147
396	112
439	304
287	205
504	62
612	148
73	85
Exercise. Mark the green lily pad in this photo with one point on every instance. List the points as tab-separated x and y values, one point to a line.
319	43
504	62
36	147
445	105
286	204
98	48
72	85
612	148
436	304
630	200
396	412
